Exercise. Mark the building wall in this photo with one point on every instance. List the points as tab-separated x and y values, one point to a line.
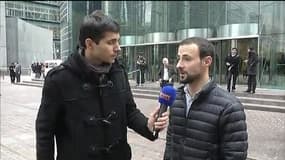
72	14
29	43
3	52
12	40
65	28
41	13
154	29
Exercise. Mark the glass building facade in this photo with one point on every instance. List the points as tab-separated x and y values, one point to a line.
3	50
41	13
71	16
154	28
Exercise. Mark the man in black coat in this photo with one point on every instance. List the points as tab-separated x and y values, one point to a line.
251	70
12	72
141	65
206	122
87	103
232	64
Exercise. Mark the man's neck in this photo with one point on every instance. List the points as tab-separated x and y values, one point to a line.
197	85
91	59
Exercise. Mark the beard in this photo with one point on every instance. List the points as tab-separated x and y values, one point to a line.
188	79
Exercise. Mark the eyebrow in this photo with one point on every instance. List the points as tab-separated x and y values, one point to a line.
183	55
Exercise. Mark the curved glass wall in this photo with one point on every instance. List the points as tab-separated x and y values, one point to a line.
272	44
155	28
192	19
233	18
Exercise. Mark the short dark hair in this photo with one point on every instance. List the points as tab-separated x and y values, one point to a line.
251	49
206	48
94	27
235	49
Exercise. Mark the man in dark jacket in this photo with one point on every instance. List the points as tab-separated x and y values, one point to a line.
251	70
87	103
206	122
12	72
141	66
18	72
232	64
166	73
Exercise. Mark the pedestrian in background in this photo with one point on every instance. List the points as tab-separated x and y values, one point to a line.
232	64
251	70
166	73
12	72
18	71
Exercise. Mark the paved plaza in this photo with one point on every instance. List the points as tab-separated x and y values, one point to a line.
19	105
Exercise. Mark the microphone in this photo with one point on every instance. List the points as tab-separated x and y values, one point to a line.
166	98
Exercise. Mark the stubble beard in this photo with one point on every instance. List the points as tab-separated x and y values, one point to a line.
189	79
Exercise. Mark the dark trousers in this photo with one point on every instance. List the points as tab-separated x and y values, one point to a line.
18	77
251	83
142	77
12	77
229	79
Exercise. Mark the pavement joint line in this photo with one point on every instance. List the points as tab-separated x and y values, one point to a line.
19	105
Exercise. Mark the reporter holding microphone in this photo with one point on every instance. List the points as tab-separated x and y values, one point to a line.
87	104
205	122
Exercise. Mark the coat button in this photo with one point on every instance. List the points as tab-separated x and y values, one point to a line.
93	148
92	118
86	86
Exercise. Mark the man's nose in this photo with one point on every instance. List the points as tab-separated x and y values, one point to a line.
118	48
179	65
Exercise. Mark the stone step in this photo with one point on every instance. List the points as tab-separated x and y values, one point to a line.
30	84
263	102
281	98
247	105
243	97
34	82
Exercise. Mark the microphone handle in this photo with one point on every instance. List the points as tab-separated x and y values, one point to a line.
162	109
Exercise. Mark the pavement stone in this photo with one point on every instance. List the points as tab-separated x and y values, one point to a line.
19	105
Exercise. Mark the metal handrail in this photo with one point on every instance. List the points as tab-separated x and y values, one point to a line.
138	70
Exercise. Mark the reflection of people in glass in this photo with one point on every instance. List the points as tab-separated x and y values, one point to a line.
281	63
141	65
232	64
251	70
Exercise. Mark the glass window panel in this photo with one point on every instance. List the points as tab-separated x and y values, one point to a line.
272	17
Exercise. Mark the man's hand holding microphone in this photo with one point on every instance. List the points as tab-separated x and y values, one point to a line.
158	119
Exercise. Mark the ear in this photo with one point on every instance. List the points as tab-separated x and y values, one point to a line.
89	43
207	61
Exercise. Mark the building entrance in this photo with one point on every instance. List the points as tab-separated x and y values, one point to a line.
222	49
154	54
